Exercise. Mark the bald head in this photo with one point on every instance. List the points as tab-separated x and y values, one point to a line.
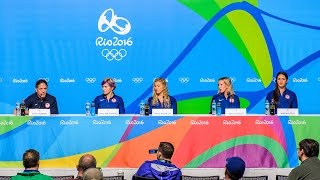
87	161
92	174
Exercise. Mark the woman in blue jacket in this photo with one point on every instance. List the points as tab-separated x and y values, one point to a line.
108	99
226	95
160	96
281	95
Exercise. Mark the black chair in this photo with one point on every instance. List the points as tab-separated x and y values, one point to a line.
113	177
5	177
184	177
255	178
63	177
142	178
281	177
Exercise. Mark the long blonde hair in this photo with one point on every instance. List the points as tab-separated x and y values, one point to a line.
165	91
227	81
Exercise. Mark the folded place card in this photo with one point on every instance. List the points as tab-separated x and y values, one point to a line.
287	112
236	112
108	112
39	112
162	112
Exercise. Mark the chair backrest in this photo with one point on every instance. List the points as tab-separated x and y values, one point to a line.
63	177
255	178
5	177
141	178
281	177
184	177
113	178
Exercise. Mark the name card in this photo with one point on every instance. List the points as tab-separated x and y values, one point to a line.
108	112
162	112
236	112
287	112
39	112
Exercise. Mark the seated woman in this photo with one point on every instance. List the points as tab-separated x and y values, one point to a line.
108	99
282	97
160	96
225	95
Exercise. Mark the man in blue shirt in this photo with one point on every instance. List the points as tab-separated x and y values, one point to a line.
41	99
162	168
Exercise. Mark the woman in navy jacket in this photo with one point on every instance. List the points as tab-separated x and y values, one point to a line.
225	95
283	97
108	99
160	96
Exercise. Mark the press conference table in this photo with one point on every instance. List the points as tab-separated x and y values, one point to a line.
123	141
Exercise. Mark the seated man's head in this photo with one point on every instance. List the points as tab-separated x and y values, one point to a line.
234	168
92	174
86	161
165	151
31	159
308	148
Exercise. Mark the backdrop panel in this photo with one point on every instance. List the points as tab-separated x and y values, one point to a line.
124	141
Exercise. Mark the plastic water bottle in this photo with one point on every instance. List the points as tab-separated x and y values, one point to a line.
142	110
218	108
214	108
87	108
267	106
23	108
18	113
272	107
93	109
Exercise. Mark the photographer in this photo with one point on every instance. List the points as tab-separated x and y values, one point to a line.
162	168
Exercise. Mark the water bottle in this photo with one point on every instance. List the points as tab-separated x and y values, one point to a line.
87	108
218	108
214	108
267	106
18	113
146	109
141	106
272	107
23	108
93	109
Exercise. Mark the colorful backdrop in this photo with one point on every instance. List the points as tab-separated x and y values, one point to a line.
191	43
124	141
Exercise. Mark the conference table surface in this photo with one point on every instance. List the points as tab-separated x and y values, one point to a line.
200	141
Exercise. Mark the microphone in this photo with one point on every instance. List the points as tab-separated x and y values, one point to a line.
163	101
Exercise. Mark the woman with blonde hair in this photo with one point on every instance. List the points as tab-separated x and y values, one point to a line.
108	99
226	95
160	96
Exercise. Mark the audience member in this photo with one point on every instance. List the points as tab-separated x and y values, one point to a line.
309	168
85	162
93	174
162	168
31	164
235	168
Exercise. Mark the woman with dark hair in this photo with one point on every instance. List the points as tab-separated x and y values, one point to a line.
282	96
108	100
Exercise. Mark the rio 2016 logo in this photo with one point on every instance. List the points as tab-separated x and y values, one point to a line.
114	48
